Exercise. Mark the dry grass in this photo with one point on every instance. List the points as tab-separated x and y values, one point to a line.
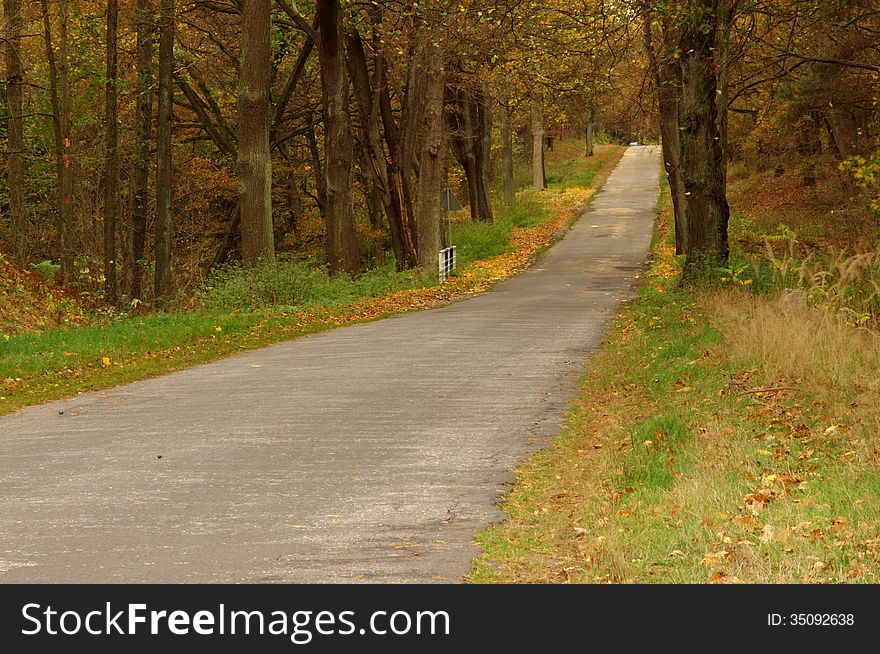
722	438
814	354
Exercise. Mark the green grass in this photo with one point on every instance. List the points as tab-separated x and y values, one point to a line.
298	284
242	309
475	241
37	367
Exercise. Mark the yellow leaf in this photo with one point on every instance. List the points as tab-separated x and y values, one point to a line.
105	361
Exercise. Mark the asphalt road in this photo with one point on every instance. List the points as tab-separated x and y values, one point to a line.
369	453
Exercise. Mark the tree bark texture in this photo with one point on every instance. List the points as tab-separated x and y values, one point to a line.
111	155
665	73
508	182
65	212
591	113
15	161
342	255
539	177
140	199
431	155
385	180
162	280
468	126
254	124
700	147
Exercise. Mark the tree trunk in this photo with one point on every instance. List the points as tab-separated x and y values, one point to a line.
372	194
665	74
317	169
539	177
482	140
397	171
431	155
162	281
111	157
467	126
701	151
591	113
669	136
140	199
254	123
462	134
488	118
65	213
342	254
56	112
15	162
722	97
367	93
507	156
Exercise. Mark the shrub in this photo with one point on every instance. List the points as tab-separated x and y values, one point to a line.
298	284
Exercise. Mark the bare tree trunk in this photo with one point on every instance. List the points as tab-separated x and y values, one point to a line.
487	122
398	179
384	177
342	254
591	114
702	156
482	141
66	181
507	156
726	12
140	199
317	169
372	194
111	157
539	177
431	155
254	123
665	73
468	127
56	113
162	281
669	136
15	162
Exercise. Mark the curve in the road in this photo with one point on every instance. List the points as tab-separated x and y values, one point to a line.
368	453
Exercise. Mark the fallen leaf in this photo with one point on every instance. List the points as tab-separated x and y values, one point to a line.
715	560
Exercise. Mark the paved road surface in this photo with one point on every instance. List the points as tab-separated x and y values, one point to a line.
368	453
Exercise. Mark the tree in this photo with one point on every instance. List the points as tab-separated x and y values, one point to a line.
59	89
386	177
664	70
254	123
432	153
15	162
338	147
111	157
162	281
469	127
507	155
591	116
700	146
539	177
140	199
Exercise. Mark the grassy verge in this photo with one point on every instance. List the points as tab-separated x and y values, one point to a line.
243	310
719	436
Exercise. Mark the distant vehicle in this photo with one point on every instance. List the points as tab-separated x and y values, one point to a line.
634	143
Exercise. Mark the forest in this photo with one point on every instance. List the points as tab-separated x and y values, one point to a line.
150	143
186	180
